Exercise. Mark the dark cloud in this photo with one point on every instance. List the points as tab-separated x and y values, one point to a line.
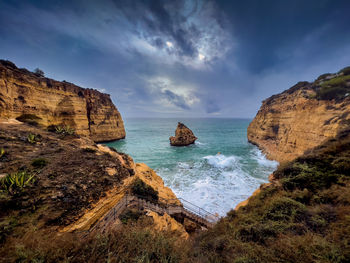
175	99
156	20
218	57
268	32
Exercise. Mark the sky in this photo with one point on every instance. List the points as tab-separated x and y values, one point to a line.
183	58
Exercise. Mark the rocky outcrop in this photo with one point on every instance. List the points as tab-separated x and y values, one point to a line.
32	98
74	196
302	117
183	136
71	173
115	195
167	223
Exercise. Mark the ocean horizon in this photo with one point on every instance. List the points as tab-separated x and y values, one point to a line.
216	173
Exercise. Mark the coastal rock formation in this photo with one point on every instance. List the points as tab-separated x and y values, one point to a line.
71	174
302	117
167	223
75	196
32	98
183	136
115	195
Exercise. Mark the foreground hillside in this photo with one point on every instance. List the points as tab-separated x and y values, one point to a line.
32	98
302	117
302	216
56	185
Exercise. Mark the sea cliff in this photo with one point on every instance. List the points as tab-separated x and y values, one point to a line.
302	117
33	98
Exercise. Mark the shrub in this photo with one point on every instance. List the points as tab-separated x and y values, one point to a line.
39	72
329	93
130	215
64	130
323	76
31	138
15	182
140	188
285	209
313	174
335	88
345	71
2	152
127	244
39	163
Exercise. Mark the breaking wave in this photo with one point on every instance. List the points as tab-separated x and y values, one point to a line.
218	182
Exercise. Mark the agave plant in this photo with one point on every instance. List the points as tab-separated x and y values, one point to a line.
59	129
69	130
2	152
16	181
65	130
31	138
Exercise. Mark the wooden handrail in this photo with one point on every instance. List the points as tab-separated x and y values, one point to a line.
204	217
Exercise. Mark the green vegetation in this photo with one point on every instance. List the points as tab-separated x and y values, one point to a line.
306	219
29	119
15	182
39	163
39	72
64	130
140	188
2	152
345	71
131	243
336	88
31	138
129	214
323	76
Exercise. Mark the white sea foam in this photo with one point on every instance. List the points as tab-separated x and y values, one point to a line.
218	182
221	161
215	182
218	187
183	165
262	160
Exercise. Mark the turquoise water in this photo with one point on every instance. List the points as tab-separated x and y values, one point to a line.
197	173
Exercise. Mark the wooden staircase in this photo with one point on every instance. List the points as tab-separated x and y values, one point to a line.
185	210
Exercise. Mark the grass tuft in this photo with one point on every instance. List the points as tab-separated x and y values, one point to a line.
16	182
140	188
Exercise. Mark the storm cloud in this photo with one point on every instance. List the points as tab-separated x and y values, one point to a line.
179	58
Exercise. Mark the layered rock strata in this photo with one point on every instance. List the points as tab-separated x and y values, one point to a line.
302	117
77	182
33	98
183	136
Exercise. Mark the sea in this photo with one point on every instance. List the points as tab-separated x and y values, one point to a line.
216	173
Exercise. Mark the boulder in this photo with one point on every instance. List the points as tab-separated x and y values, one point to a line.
183	136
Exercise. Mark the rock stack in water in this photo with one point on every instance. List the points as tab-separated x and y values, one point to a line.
183	136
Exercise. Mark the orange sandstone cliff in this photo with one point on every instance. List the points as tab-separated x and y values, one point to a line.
302	117
25	95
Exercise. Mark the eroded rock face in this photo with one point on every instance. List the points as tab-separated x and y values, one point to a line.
183	136
75	173
297	120
49	102
167	223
